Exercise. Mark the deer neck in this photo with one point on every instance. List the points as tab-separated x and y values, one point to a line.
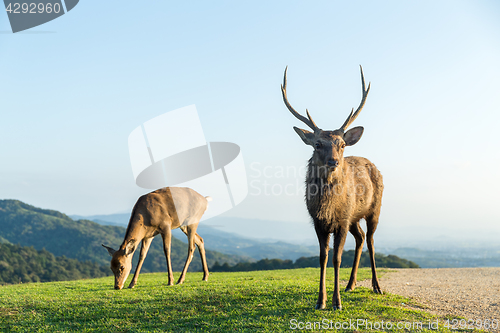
325	194
135	233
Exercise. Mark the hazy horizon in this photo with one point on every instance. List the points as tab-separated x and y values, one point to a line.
72	97
302	233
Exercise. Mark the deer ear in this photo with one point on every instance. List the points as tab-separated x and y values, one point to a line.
110	250
353	135
130	248
306	136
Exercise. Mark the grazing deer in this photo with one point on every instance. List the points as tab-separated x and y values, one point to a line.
160	212
339	192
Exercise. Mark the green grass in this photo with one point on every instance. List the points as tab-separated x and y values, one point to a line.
259	301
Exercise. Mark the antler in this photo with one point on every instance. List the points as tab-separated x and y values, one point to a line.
352	116
309	122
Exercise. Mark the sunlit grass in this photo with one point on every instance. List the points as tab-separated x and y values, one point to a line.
259	301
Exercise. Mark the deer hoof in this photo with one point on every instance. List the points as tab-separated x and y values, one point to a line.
320	306
377	291
131	286
349	288
337	305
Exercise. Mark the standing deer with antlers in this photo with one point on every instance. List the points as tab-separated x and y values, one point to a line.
339	192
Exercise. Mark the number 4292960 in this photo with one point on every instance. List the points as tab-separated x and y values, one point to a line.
455	324
33	8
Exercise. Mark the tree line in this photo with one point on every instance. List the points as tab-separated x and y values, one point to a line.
22	264
382	261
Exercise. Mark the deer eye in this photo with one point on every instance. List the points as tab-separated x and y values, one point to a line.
122	268
343	146
317	145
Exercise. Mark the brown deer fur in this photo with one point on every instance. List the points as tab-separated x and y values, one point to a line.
339	192
160	212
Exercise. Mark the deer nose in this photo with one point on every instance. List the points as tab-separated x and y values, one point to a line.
333	163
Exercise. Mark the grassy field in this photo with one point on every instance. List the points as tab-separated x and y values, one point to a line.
260	301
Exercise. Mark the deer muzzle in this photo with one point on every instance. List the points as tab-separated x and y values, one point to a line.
333	164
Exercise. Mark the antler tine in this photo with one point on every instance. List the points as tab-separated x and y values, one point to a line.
309	122
353	114
312	121
348	121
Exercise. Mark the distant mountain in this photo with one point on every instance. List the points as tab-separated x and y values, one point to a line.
217	237
268	231
231	243
458	257
259	229
112	219
26	225
260	239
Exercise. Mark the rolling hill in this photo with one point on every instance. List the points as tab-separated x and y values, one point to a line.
220	238
21	264
57	233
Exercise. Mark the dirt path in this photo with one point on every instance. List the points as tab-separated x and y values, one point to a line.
472	293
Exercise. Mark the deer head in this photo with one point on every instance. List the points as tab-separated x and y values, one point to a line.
328	145
121	263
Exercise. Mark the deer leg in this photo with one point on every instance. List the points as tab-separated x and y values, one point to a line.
339	238
371	226
201	248
359	235
167	240
190	232
324	239
146	242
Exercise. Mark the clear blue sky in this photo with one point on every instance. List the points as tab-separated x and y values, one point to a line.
73	89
